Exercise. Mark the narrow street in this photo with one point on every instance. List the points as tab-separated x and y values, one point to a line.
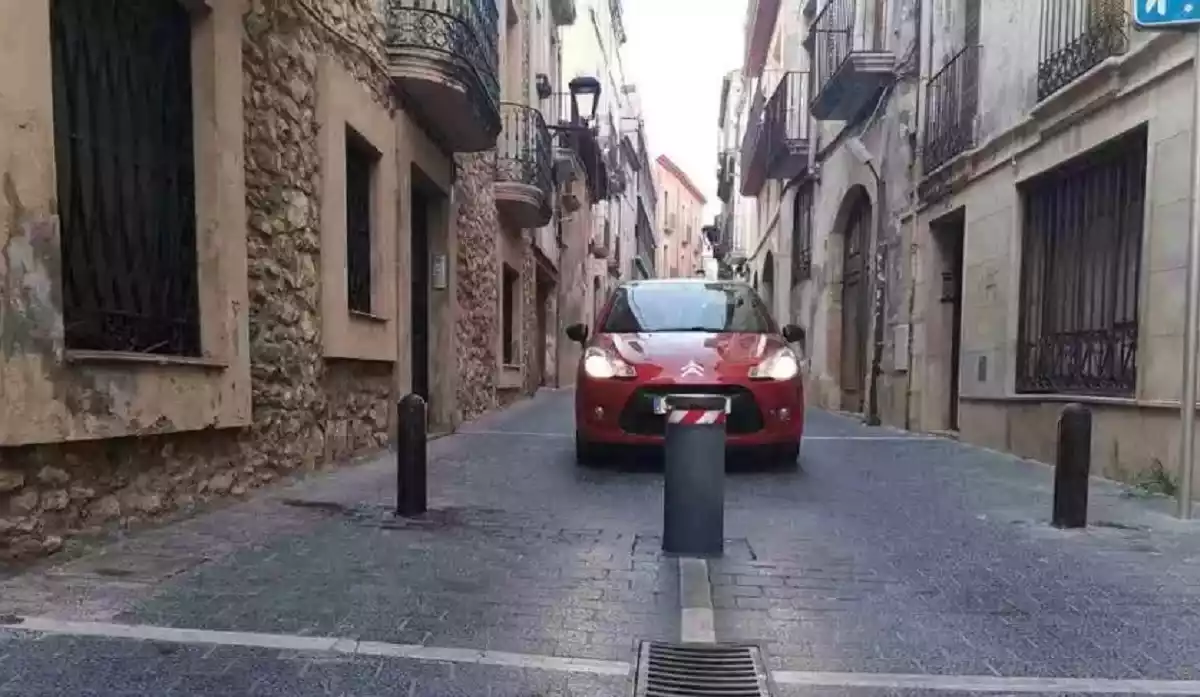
888	564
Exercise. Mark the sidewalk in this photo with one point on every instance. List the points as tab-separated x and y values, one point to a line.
522	554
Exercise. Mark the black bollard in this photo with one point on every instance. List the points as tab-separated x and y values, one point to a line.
694	477
411	495
1073	467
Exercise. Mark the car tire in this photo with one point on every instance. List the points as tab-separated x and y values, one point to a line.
789	457
586	454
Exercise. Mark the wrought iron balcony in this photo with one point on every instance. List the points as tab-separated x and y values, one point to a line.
786	127
953	95
725	172
442	55
776	146
1075	36
850	68
753	156
524	183
579	146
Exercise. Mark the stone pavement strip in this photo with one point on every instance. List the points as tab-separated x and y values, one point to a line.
888	565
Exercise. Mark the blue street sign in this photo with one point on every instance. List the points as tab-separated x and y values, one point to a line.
1155	14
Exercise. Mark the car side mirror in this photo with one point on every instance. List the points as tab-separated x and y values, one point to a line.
794	334
577	332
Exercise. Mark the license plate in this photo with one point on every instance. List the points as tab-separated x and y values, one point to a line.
660	405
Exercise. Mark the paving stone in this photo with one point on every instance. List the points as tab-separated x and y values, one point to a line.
911	556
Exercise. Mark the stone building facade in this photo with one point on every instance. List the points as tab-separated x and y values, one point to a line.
295	186
991	222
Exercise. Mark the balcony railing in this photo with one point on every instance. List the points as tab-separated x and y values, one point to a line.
851	67
1075	36
752	164
583	142
523	157
832	38
435	45
953	109
786	127
725	171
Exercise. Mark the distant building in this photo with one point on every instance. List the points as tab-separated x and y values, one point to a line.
680	211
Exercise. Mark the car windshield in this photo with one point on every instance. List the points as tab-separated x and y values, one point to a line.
688	307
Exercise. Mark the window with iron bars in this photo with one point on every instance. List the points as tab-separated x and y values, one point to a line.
122	83
802	237
1075	36
1081	242
361	160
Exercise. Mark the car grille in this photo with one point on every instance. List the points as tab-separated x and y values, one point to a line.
638	416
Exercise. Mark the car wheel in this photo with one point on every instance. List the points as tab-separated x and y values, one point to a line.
586	454
788	457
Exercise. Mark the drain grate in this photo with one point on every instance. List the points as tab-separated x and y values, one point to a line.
700	670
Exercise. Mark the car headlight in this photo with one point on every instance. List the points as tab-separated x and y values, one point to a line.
602	364
784	364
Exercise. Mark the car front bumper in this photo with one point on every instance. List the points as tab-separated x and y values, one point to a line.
621	412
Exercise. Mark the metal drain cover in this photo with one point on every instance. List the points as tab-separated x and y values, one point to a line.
700	670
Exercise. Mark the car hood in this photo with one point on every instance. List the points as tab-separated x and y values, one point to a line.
716	354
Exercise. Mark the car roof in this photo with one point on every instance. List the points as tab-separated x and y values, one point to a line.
684	282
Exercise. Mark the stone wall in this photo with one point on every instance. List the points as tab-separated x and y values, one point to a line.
478	284
358	407
304	412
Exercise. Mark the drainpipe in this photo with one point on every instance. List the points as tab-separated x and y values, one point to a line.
860	152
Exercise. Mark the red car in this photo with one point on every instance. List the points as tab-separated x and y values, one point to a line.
687	336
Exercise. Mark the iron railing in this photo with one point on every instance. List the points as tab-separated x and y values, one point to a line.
1082	239
360	166
570	135
523	153
1075	36
832	41
786	121
787	111
466	30
751	164
122	83
725	174
953	94
802	237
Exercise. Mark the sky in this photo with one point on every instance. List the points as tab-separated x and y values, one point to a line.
677	53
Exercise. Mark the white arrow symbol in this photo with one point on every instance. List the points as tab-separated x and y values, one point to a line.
1159	6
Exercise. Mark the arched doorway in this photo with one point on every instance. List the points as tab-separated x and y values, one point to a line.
856	240
768	282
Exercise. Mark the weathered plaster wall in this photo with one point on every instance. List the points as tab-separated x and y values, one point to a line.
304	411
52	393
843	178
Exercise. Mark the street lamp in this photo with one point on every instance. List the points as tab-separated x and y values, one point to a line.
585	98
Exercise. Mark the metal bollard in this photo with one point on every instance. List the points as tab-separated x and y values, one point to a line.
1072	467
694	476
411	495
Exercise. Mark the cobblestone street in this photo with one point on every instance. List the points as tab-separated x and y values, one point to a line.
888	564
